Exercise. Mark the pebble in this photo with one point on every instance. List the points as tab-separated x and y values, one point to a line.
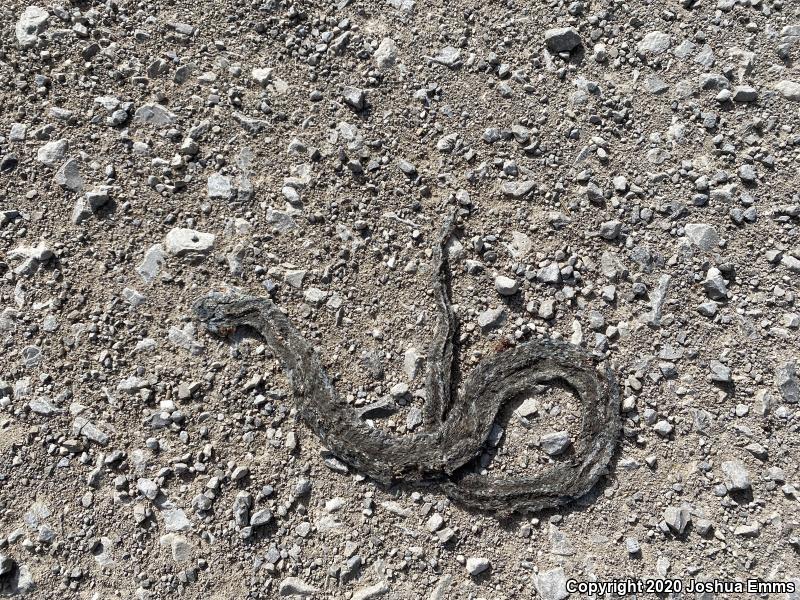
790	90
31	23
563	39
714	285
491	318
180	242
156	115
720	372
506	286
555	443
220	187
654	43
678	518
152	263
736	476
355	98
663	428
552	584
632	546
385	55
786	380
477	565
294	586
68	176
610	230
448	57
702	235
53	153
373	591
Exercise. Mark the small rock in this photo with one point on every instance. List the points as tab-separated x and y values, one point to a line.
354	97
551	585
261	517
148	488
477	565
654	43
449	57
52	153
491	318
562	39
294	586
788	89
180	242
31	23
373	591
155	114
261	76
744	93
736	476
386	53
506	286
68	176
610	230
6	565
747	530
154	260
786	380
719	372
663	428
555	443
747	173
632	546
702	235
678	518
220	187
714	285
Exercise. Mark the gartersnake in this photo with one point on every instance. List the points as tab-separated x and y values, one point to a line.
455	425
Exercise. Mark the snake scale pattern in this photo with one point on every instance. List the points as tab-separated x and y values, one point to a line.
455	424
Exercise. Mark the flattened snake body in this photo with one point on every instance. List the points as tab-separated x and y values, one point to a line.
455	425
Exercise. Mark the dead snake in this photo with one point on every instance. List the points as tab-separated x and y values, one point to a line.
455	425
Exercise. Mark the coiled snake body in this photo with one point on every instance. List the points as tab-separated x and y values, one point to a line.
455	425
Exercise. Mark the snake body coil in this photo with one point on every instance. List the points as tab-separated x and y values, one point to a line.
455	426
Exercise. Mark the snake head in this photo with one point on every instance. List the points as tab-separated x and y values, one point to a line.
216	309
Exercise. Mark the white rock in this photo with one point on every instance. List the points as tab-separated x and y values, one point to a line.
551	585
52	153
184	241
220	187
736	476
386	54
506	286
148	488
411	362
152	263
789	90
477	565
262	76
175	520
31	23
655	42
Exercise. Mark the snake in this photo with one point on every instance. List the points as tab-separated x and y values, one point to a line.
456	423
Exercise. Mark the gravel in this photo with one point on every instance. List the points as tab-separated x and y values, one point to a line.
625	174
